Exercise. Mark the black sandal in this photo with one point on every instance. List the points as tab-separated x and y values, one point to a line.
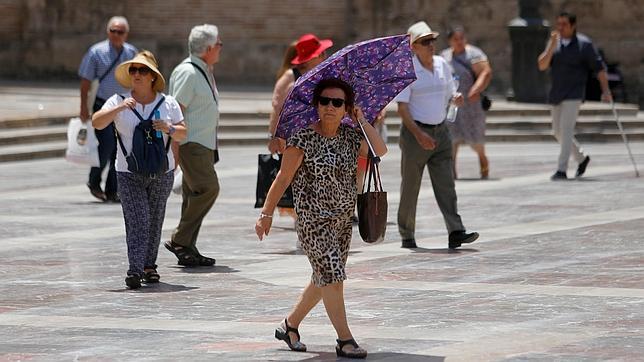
133	281
282	334
203	260
356	352
184	255
151	276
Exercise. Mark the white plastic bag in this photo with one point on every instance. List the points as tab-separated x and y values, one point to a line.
82	145
178	180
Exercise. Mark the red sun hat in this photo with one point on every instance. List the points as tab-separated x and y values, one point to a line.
309	47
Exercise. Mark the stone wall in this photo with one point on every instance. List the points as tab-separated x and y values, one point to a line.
45	39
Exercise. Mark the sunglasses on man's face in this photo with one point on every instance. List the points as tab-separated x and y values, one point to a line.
427	42
337	102
142	70
117	31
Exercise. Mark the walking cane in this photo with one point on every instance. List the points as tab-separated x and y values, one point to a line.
621	130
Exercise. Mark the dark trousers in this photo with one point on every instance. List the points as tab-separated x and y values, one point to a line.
200	189
439	163
106	156
143	200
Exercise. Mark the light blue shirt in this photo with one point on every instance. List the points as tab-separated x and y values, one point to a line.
190	88
96	62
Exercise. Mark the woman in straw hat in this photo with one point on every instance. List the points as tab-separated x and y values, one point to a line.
143	198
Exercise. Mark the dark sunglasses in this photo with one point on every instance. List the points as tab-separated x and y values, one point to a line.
337	102
427	42
142	70
116	31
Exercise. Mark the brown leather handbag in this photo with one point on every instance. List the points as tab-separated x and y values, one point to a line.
372	206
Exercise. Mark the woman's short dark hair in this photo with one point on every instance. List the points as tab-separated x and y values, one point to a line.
453	30
334	83
572	18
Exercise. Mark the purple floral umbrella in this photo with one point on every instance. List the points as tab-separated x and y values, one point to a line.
377	69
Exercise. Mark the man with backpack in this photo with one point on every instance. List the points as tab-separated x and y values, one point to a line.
98	66
193	85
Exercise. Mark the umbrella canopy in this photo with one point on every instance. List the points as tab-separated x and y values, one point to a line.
377	69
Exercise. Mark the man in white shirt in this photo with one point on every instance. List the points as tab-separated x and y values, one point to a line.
425	140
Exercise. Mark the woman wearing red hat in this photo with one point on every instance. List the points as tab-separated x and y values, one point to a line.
309	52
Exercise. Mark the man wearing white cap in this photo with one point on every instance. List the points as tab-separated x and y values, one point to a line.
425	140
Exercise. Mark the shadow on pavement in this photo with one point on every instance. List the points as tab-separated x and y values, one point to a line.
160	287
444	250
217	269
470	179
377	356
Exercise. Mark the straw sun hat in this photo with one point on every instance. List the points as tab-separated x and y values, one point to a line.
146	58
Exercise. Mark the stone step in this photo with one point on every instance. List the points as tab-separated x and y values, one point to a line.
49	149
241	127
260	111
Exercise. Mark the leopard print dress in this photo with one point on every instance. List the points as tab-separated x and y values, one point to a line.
324	191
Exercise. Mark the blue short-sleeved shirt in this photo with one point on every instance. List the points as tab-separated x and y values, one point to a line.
97	61
570	67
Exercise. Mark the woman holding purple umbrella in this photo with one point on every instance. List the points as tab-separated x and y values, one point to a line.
321	160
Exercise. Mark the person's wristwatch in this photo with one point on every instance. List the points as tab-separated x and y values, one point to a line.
171	130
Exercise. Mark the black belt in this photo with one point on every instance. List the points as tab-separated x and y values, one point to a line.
429	125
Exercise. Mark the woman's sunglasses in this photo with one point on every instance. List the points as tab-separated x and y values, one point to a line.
337	102
142	70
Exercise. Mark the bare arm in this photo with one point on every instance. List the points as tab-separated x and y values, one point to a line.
546	56
104	117
379	146
483	73
291	162
84	89
425	140
280	92
602	76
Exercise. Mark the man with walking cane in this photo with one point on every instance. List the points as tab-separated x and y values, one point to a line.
570	57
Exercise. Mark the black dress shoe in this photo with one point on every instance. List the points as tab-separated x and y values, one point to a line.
113	197
97	192
456	238
559	176
581	169
409	243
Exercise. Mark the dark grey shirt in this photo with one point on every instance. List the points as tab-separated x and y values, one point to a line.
570	67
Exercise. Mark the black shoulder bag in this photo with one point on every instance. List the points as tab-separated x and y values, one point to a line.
372	205
98	102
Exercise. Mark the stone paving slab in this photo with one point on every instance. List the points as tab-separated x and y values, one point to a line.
557	274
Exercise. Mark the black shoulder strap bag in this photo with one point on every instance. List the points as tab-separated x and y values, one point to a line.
98	102
486	102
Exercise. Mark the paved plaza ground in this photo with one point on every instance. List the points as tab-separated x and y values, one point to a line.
558	273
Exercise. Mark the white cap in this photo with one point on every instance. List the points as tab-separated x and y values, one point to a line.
420	30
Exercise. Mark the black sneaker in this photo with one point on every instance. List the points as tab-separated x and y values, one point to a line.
456	238
133	281
409	244
581	169
559	176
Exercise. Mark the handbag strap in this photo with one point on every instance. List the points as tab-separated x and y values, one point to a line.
373	170
207	79
100	79
467	66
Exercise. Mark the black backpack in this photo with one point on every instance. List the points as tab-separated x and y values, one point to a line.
149	156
